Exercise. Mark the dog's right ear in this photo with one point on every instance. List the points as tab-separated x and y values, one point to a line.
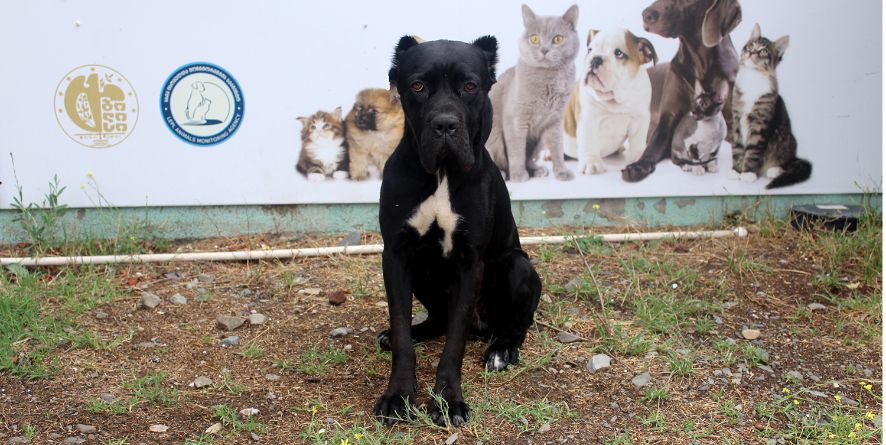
403	45
489	45
719	20
591	34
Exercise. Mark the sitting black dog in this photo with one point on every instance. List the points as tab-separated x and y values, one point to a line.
449	235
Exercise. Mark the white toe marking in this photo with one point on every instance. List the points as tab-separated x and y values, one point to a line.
437	207
497	362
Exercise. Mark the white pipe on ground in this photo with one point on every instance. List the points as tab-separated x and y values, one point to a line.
252	255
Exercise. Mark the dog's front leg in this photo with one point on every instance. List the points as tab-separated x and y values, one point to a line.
452	407
638	133
393	404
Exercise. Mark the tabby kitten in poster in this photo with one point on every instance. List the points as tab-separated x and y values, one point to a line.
323	146
698	137
530	99
763	142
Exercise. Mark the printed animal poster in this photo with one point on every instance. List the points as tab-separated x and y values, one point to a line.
281	102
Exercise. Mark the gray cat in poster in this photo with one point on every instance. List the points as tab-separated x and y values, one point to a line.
529	99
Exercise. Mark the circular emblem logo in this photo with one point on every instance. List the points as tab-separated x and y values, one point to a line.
202	104
96	106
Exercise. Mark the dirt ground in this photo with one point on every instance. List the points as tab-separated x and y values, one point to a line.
775	338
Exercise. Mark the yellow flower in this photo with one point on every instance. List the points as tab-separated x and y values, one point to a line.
345	442
869	415
857	426
596	206
89	174
358	436
796	402
832	436
852	435
868	387
313	410
837	397
786	391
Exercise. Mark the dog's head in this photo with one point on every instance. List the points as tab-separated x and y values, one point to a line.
369	104
709	19
613	60
443	87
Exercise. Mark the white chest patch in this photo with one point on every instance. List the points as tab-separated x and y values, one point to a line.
328	151
436	207
753	85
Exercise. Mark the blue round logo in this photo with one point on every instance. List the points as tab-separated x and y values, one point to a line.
202	104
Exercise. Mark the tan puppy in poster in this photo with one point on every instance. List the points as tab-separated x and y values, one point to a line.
610	102
373	129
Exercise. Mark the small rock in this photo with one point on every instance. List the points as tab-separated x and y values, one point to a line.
818	394
178	299
233	340
257	319
419	318
108	398
544	428
353	239
599	362
201	382
158	428
255	437
816	307
381	304
271	395
214	428
205	278
247	292
272	377
18	439
750	334
310	291
192	284
338	297
572	285
348	347
101	315
54	436
85	429
451	439
642	380
248	412
173	276
340	332
229	323
794	375
75	440
766	368
567	337
729	305
651	355
150	301
718	320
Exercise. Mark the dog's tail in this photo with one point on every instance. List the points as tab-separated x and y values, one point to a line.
798	170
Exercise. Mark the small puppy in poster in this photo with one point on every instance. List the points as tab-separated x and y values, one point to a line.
374	127
610	102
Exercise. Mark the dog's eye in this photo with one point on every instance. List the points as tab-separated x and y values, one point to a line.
619	54
470	87
417	86
558	39
535	39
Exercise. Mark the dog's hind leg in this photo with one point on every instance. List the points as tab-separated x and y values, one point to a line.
509	300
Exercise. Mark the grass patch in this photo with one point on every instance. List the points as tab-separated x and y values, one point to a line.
150	388
315	361
38	313
230	419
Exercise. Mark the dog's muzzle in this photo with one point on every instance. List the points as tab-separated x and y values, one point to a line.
445	138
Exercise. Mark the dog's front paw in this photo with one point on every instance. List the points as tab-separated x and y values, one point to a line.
455	413
774	172
316	177
498	359
384	340
393	406
712	167
734	175
637	171
519	176
698	170
747	177
593	168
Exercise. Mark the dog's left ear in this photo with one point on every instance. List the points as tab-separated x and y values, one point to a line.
719	20
647	51
489	45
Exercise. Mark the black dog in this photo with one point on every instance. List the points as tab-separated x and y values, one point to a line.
449	235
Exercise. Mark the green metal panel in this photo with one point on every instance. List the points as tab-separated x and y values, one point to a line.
201	222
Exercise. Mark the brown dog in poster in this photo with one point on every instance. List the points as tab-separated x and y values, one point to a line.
706	54
373	129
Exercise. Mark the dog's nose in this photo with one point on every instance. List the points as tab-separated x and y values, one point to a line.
651	16
444	124
596	62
